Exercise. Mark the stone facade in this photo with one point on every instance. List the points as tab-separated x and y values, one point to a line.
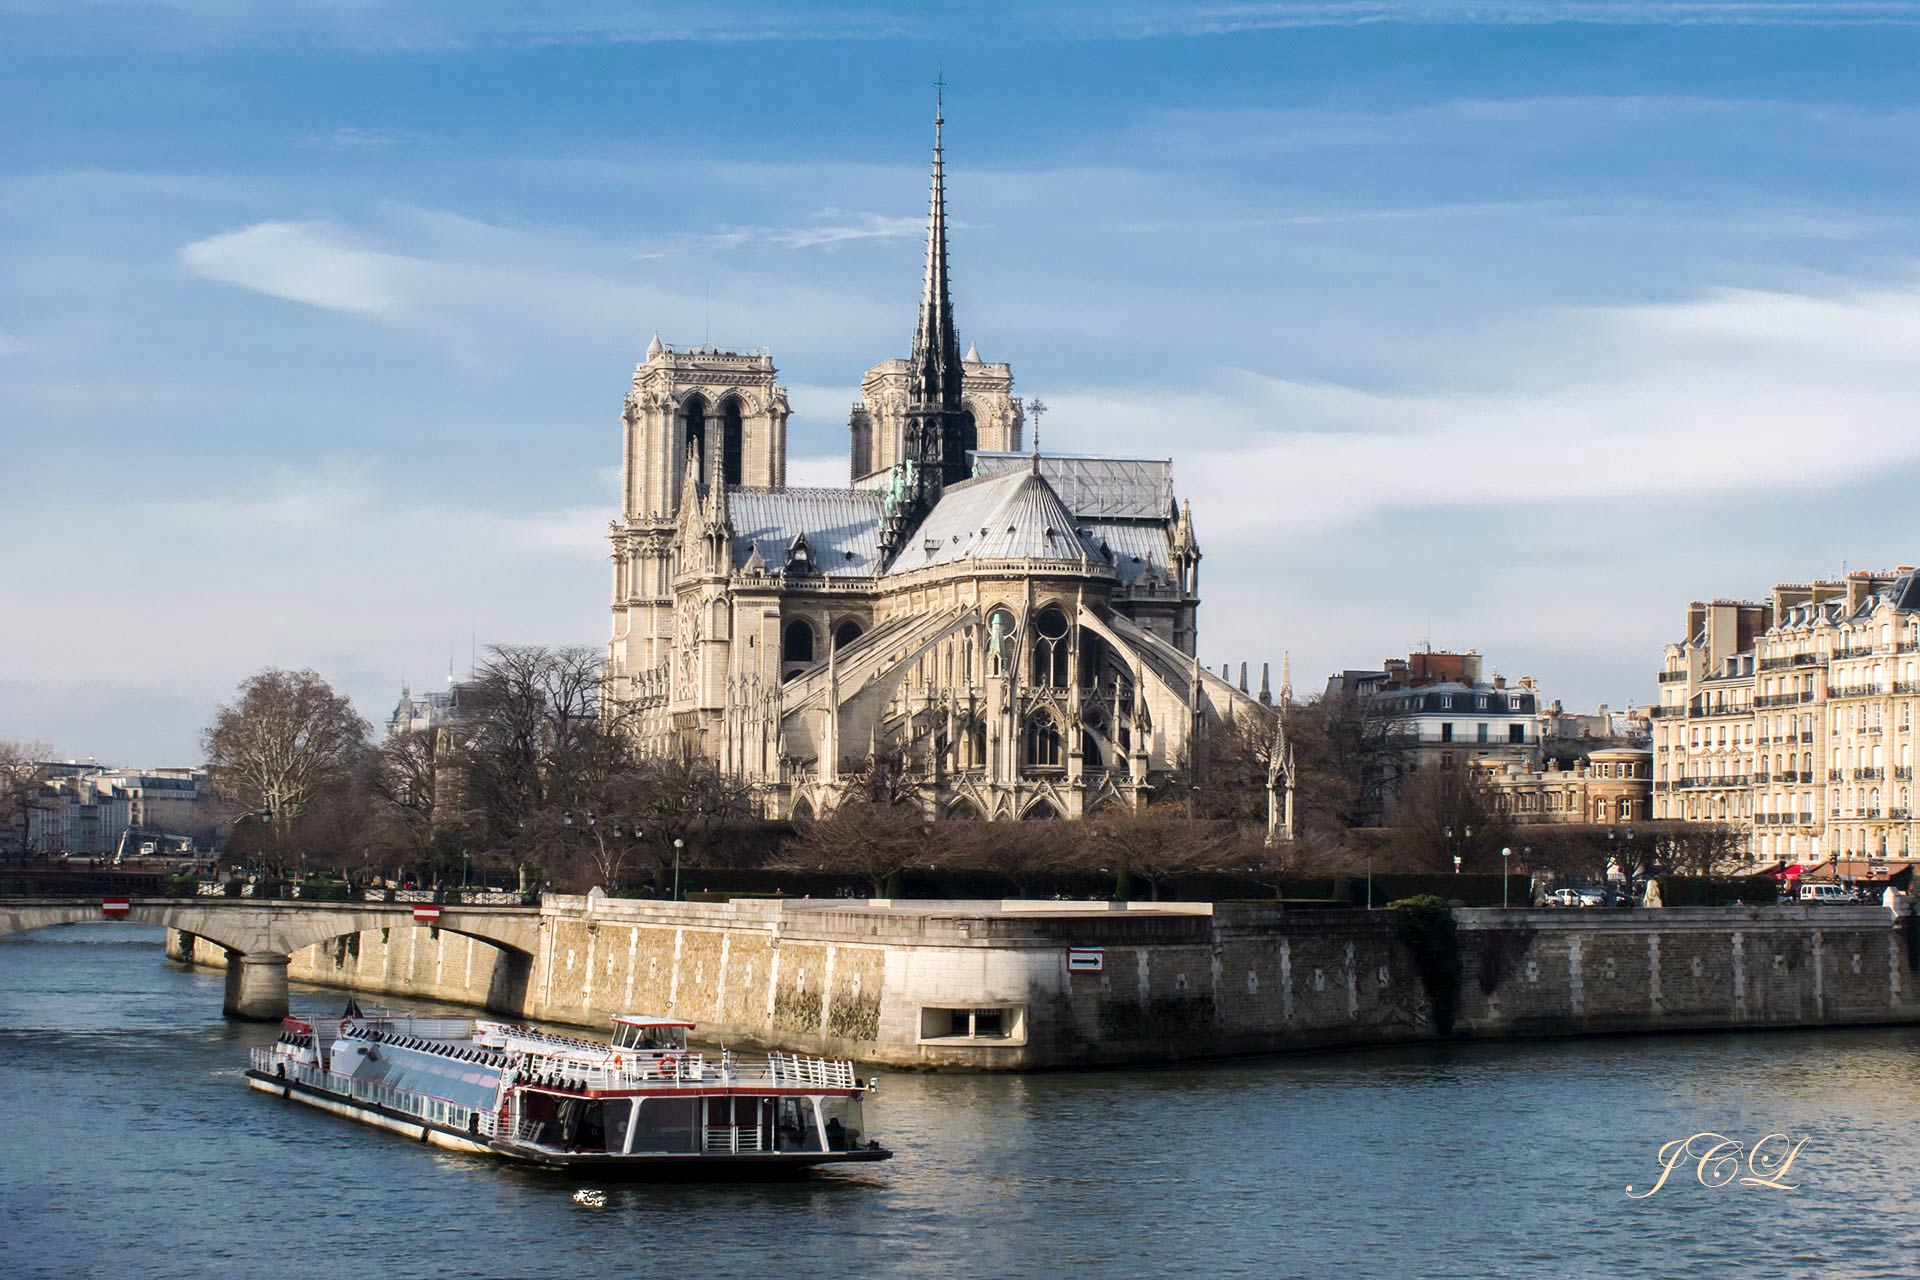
1794	716
989	985
1018	631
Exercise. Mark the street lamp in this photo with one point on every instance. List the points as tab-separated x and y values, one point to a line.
678	845
1506	870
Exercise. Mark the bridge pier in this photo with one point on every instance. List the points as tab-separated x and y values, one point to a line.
256	986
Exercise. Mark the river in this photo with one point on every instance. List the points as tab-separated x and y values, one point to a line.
134	1149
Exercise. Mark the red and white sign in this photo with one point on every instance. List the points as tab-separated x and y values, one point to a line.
114	908
426	913
1086	959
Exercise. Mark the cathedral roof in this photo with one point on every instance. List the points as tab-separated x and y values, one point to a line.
1012	516
841	526
1135	548
1095	488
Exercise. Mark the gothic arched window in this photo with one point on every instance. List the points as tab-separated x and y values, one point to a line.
694	416
959	437
730	443
846	633
1050	649
1041	744
796	642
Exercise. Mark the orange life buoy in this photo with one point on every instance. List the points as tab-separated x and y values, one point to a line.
666	1065
617	1062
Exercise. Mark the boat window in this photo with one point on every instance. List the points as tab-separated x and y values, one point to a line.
617	1118
845	1128
665	1124
793	1126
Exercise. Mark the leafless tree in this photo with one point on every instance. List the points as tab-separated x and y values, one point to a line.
284	743
1021	854
867	838
1694	848
1446	813
1154	844
21	778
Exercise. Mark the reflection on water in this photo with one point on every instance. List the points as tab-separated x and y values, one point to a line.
134	1149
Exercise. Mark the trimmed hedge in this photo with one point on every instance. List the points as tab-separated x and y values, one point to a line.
1714	891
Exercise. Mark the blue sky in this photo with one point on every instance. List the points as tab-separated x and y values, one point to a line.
1503	325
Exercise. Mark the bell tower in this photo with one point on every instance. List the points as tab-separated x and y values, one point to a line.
700	410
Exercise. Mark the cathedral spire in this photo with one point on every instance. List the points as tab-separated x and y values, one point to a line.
938	430
936	345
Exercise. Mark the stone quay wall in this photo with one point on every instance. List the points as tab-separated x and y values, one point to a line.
988	985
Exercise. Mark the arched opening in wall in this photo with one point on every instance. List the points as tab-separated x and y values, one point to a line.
963	811
732	447
860	428
959	437
802	811
846	633
1093	728
973	745
1040	811
1050	655
1040	743
693	416
1095	669
1000	642
796	642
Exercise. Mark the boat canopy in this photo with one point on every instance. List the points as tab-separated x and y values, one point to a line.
646	1020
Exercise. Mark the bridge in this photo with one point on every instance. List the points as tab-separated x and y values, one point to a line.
261	935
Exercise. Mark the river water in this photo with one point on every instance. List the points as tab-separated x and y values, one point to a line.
132	1148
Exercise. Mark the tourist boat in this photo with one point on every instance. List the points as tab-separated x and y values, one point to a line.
641	1102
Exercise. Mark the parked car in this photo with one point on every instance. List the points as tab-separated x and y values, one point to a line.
1827	891
1561	898
1594	896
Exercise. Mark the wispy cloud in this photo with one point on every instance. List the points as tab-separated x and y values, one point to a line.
1739	390
353	138
1230	19
310	262
830	227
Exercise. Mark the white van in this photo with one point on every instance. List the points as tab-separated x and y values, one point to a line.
1826	892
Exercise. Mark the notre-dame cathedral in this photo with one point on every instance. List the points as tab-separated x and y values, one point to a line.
1016	629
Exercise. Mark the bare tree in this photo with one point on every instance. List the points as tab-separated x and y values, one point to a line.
530	736
1694	848
867	838
1153	844
21	780
1019	853
285	742
1446	813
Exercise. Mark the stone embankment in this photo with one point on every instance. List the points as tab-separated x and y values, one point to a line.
1023	985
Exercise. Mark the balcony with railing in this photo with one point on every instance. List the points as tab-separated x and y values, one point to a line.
1783	699
1874	774
1836	775
1671	677
1868	690
1904	772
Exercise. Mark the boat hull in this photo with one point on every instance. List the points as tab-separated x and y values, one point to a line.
766	1164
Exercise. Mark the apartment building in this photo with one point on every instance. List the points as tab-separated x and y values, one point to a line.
1794	716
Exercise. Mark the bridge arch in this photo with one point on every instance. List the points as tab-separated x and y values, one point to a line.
260	936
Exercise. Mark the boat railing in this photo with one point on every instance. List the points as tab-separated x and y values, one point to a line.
456	1029
832	1073
663	1070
